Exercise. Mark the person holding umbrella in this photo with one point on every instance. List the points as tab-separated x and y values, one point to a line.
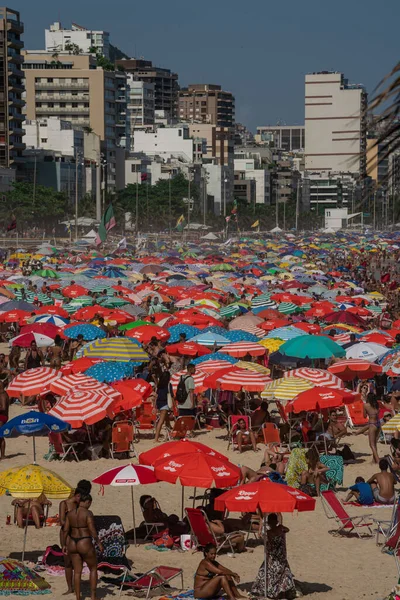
211	577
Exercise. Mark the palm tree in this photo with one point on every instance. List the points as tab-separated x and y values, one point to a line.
387	100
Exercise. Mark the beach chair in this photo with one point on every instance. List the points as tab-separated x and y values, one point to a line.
355	415
112	535
202	533
388	528
182	427
122	436
270	433
157	578
61	448
334	509
232	429
152	528
146	416
43	518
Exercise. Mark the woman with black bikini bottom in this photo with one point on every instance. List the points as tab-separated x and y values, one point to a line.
79	531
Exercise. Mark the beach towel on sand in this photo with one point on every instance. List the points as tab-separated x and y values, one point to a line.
112	535
335	473
297	463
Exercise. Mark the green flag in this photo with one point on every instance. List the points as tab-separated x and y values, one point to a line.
107	222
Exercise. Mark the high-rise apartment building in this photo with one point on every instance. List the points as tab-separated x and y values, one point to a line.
335	121
219	142
285	137
72	88
58	39
140	103
207	103
165	82
11	88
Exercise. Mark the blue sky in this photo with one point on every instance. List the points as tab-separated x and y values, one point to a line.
259	49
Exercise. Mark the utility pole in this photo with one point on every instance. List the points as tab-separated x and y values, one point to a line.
277	204
34	180
374	211
297	204
170	204
77	157
225	180
137	203
189	192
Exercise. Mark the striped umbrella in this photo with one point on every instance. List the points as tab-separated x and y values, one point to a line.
285	333
244	364
198	377
78	407
349	369
121	349
249	328
210	366
230	311
32	382
286	388
261	300
210	339
240	349
287	308
84	382
239	379
393	425
318	377
53	319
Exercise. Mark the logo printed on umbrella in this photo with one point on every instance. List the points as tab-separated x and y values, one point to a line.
29	421
220	471
172	466
242	495
297	494
126	480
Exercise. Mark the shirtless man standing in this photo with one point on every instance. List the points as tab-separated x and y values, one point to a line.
383	484
79	532
4	408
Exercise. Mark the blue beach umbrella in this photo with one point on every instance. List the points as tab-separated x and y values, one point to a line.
33	424
111	371
215	356
87	331
176	330
210	339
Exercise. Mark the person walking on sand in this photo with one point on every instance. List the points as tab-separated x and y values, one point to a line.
4	408
80	531
211	577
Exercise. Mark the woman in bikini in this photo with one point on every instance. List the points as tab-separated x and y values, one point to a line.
371	410
211	577
79	532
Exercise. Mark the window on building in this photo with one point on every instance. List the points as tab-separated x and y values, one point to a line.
43	140
49	80
180	132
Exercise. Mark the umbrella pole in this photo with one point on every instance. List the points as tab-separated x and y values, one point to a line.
265	555
183	500
34	450
194	496
26	529
323	433
133	515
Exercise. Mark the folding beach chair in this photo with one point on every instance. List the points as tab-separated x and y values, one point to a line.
61	448
392	545
157	578
270	433
355	415
152	528
202	533
182	427
122	435
145	416
388	528
232	429
334	509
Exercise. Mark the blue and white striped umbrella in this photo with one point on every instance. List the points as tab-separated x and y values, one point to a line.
285	333
210	339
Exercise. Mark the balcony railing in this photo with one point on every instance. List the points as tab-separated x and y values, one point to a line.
54	85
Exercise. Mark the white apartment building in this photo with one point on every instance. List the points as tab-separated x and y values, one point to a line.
335	123
219	185
58	39
167	142
140	103
54	134
246	169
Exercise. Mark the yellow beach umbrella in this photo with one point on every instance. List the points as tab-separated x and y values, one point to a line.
272	344
244	364
392	426
286	388
31	481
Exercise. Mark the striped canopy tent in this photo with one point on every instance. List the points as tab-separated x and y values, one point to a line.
318	377
84	407
286	388
198	377
236	380
117	349
240	349
32	382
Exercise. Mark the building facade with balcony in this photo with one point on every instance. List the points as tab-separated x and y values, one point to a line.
11	88
58	39
289	138
207	103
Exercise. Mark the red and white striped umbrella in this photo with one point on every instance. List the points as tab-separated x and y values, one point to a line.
198	377
250	329
318	377
79	407
240	349
63	385
32	382
236	380
213	365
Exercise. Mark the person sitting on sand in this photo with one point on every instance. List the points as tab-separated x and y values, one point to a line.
33	507
79	531
361	492
211	577
382	484
316	472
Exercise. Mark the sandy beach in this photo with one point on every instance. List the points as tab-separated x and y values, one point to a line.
327	567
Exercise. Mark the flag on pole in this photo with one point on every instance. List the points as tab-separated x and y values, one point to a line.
107	222
68	227
235	207
180	223
256	223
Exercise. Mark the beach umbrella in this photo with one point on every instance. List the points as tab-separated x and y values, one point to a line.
210	339
197	469
198	378
33	424
18	305
32	481
44	328
349	369
168	449
145	333
32	381
392	426
287	308
57	320
127	475
133	325
285	333
79	365
214	357
244	364
286	388
111	370
83	407
133	393
68	382
366	351
318	399
187	349
24	340
235	380
312	346
240	349
176	330
74	291
319	377
116	349
344	316
88	331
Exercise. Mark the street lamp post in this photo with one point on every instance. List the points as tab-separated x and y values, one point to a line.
170	204
225	182
78	156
